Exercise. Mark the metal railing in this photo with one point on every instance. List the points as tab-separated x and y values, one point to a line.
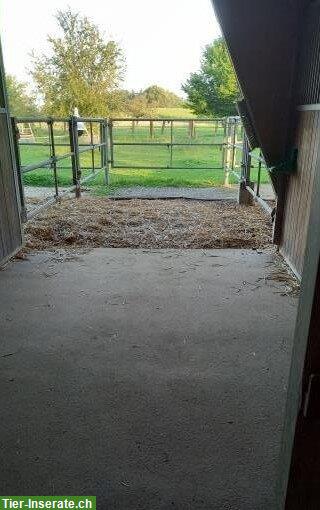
248	167
168	135
116	140
97	139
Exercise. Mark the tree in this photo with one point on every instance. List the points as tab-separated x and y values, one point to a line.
214	89
161	98
81	70
21	102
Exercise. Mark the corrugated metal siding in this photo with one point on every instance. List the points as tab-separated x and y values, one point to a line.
299	192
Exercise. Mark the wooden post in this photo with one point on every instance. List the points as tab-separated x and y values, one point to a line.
151	129
192	130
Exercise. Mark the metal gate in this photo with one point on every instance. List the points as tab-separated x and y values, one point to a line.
161	144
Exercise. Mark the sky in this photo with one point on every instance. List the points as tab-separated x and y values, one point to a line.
162	40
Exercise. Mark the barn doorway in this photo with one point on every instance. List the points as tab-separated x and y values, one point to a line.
146	343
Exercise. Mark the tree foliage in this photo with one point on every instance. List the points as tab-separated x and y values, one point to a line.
82	69
21	102
160	98
214	89
145	102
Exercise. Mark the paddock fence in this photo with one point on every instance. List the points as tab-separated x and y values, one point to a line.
247	167
55	152
56	156
162	144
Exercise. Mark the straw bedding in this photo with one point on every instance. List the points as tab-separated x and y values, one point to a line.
100	222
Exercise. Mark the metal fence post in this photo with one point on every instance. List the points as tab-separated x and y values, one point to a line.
171	143
223	146
245	197
92	151
53	156
104	150
259	175
16	134
110	127
230	136
233	148
74	145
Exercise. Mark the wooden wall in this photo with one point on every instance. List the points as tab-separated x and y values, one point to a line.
10	225
10	228
299	190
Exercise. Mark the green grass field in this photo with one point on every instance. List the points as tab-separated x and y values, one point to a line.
193	163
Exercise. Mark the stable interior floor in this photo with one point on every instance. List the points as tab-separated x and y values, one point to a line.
153	379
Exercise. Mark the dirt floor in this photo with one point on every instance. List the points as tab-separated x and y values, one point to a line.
93	222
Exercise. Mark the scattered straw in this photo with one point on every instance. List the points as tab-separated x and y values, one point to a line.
97	221
281	273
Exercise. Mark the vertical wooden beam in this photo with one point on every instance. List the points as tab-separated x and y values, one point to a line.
151	129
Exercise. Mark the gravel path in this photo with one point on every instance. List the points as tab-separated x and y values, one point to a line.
218	193
173	192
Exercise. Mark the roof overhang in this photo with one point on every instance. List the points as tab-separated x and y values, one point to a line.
262	38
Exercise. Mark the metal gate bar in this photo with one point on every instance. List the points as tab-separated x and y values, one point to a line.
214	122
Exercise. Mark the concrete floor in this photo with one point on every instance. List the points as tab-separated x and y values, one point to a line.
151	379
